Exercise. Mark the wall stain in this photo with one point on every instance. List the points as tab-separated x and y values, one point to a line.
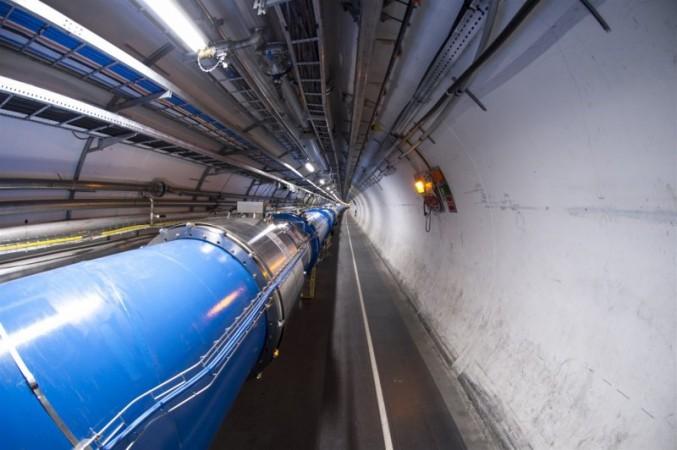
507	433
506	203
659	216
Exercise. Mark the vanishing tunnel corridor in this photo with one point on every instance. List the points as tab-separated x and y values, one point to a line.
322	394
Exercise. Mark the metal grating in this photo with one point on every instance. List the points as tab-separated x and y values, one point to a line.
440	69
23	101
240	89
300	19
30	35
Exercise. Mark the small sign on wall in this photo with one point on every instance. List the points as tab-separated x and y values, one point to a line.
443	189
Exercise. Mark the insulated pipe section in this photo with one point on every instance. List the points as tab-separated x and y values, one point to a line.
313	150
304	226
316	223
224	47
294	104
146	348
322	219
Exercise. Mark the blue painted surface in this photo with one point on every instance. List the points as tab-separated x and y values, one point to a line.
320	220
307	228
98	334
326	212
54	47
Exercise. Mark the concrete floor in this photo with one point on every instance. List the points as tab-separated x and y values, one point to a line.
320	393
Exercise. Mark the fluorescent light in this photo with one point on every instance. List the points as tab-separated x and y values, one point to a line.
176	19
309	167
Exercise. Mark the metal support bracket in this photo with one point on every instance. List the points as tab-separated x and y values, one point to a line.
595	13
140	101
108	141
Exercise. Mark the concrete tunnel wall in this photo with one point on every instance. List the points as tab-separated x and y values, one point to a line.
553	289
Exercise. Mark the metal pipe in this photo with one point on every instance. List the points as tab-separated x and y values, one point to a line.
223	47
459	85
294	104
484	39
24	90
370	14
386	80
28	206
313	149
156	188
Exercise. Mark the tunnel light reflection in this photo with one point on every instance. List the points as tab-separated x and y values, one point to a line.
267	230
178	21
69	313
224	303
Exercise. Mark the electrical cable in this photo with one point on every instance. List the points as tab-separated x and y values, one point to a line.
78	137
428	215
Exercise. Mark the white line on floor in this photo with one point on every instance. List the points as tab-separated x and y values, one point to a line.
387	439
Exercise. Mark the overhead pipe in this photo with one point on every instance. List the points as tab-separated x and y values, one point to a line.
308	140
312	148
394	57
152	344
487	29
428	84
370	13
8	207
154	188
294	104
222	48
34	93
442	107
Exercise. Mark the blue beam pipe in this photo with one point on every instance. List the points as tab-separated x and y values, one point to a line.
317	223
143	349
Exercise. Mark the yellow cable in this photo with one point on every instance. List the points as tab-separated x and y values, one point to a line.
69	239
33	244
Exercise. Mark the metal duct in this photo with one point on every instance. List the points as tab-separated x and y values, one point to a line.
294	104
313	149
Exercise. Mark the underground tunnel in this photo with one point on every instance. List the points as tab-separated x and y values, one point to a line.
338	224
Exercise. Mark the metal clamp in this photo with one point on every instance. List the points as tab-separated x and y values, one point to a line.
32	383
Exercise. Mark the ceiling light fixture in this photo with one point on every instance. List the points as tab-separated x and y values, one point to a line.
309	167
321	181
176	19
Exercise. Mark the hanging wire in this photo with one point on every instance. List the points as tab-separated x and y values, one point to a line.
79	137
428	215
219	61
